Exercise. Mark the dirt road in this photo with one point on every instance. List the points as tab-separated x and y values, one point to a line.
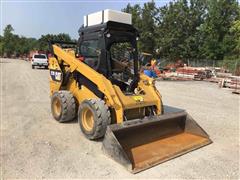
33	145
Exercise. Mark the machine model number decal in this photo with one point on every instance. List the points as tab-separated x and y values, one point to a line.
138	98
56	75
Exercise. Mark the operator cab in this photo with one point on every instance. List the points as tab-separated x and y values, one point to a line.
111	49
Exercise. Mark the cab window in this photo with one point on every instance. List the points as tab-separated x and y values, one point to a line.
90	51
122	56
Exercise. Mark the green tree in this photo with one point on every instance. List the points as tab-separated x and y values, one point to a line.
174	30
193	42
235	30
25	45
43	42
215	29
13	44
144	20
1	46
8	40
232	58
148	30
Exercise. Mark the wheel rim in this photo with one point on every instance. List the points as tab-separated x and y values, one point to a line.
57	107
87	119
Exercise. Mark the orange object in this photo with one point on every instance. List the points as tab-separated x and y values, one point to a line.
81	58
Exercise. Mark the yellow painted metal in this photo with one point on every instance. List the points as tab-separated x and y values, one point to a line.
54	85
80	94
152	94
87	119
57	106
113	95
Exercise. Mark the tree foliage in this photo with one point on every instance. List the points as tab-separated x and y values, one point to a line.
216	28
188	29
12	44
43	42
8	40
144	20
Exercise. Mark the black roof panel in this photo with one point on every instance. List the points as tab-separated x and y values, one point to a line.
110	25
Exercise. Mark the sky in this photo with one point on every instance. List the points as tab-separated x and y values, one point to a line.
31	18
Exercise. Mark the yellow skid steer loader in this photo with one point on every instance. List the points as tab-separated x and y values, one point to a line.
97	80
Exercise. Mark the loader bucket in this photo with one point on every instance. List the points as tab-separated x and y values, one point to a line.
143	143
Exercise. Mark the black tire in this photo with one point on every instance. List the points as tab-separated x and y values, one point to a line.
101	118
68	106
33	67
162	107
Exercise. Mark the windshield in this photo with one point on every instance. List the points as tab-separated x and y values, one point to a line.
40	56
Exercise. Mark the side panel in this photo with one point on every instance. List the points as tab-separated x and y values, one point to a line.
103	84
149	97
55	75
80	93
148	85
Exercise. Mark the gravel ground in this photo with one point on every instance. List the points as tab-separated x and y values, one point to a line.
33	145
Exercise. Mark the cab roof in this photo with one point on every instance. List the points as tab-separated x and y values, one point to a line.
110	25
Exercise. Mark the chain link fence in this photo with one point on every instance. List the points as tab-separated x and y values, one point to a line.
193	62
232	66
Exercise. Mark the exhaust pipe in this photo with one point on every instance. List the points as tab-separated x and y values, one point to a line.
142	143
